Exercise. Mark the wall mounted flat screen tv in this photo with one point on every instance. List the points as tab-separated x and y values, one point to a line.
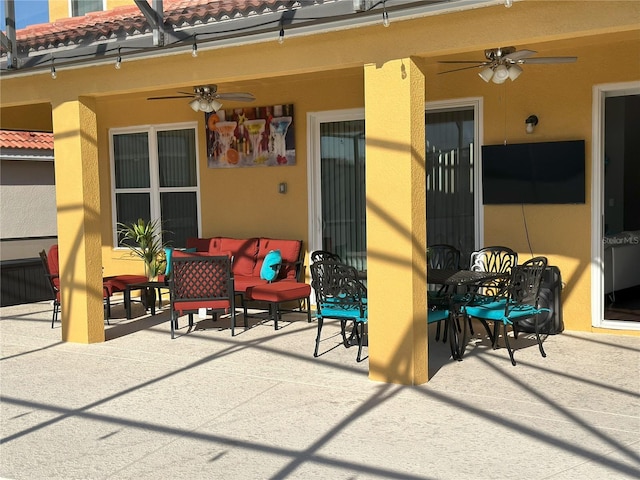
545	173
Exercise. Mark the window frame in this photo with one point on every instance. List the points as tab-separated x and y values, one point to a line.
154	190
72	2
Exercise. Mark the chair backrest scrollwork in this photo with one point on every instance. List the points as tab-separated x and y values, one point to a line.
337	285
320	255
494	259
443	256
524	287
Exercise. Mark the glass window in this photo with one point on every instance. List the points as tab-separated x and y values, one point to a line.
82	7
157	183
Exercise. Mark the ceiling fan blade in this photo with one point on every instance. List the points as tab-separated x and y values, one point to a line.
172	96
549	60
479	62
239	97
464	68
519	55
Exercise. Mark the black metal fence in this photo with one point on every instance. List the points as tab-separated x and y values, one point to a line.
23	281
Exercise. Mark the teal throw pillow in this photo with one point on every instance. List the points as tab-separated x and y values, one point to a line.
190	250
271	265
168	253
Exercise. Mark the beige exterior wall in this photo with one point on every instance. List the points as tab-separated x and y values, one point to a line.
326	72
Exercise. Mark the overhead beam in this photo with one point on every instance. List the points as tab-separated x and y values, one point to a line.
9	40
155	17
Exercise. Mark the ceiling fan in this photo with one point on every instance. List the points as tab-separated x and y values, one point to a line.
206	98
504	62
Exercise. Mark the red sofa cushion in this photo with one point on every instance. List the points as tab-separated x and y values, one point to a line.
290	251
244	254
200	244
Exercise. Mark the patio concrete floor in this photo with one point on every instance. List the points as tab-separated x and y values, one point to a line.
259	406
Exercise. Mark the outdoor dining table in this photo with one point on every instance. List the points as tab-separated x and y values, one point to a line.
471	281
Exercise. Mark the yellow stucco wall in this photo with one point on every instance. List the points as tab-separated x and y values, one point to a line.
35	117
325	72
59	9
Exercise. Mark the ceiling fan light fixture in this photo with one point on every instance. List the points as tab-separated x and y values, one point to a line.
195	104
486	74
500	74
514	72
206	106
216	105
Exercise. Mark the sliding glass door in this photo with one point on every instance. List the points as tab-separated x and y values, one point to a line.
450	140
337	182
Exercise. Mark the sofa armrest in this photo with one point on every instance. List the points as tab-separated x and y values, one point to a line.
297	265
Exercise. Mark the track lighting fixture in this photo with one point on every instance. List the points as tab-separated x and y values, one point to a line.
118	60
385	15
54	75
281	36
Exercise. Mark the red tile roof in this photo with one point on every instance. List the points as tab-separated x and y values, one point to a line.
26	140
129	21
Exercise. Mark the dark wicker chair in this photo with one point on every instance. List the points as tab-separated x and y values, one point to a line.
201	282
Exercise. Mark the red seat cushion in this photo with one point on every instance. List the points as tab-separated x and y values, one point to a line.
182	307
118	283
279	292
242	282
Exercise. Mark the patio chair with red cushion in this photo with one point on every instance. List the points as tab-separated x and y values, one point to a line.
201	282
51	267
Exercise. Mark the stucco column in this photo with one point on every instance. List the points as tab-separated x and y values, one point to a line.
78	203
396	222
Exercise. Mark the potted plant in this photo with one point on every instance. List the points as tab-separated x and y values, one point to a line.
145	242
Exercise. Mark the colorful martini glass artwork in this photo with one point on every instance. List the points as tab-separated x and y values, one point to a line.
225	131
279	127
255	129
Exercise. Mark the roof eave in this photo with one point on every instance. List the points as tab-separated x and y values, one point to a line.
308	20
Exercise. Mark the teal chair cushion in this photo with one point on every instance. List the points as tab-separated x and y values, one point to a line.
434	316
331	310
495	311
